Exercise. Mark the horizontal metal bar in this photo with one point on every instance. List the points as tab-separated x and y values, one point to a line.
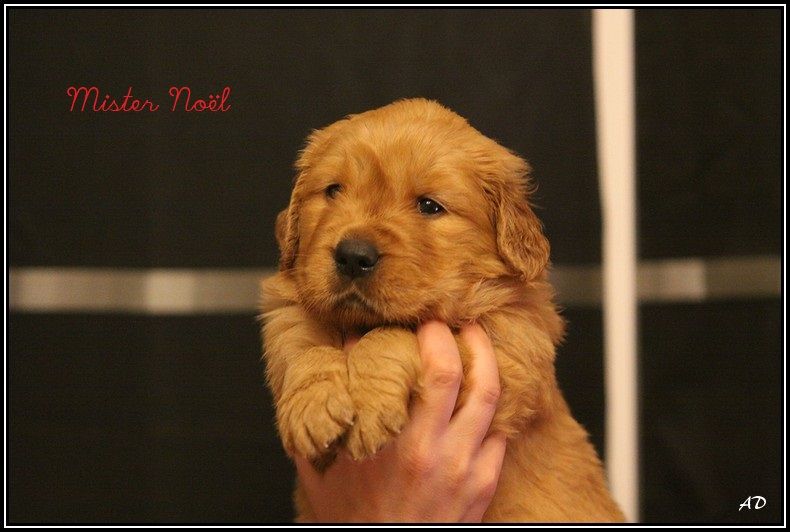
684	280
146	291
224	291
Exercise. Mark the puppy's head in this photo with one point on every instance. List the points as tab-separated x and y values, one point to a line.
397	212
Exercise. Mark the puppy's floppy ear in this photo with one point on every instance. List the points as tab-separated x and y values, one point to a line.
519	233
285	240
287	224
287	233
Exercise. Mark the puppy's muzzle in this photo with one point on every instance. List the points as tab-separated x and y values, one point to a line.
355	258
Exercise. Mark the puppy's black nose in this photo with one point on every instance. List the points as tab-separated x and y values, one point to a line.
355	258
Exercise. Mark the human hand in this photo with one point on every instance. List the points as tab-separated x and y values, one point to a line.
442	467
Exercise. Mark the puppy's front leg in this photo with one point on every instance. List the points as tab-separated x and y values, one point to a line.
383	369
308	376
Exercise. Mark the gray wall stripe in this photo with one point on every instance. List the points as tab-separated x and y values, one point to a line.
207	291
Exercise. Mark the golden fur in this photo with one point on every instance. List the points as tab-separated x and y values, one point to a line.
485	259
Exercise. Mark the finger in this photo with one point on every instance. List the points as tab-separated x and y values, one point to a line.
306	472
441	378
487	469
473	419
350	341
316	478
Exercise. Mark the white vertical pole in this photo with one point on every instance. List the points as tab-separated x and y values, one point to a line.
613	73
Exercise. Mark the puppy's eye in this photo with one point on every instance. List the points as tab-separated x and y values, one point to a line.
332	190
429	206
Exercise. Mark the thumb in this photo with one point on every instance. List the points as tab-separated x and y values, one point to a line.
350	341
306	472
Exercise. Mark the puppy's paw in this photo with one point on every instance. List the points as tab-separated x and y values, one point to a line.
381	414
381	376
314	414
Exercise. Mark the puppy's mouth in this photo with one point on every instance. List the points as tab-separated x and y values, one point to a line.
355	300
354	309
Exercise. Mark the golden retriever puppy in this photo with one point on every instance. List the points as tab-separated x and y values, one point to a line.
398	215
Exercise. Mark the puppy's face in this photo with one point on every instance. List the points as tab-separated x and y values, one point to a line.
399	212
